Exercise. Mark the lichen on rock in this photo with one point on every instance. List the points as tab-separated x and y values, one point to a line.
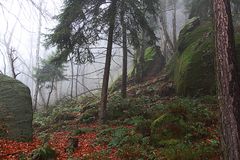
16	112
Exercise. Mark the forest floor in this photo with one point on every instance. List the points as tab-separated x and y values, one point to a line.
152	124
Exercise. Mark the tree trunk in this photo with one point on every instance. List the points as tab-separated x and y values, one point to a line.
227	78
41	96
141	60
83	79
12	60
72	78
49	94
163	21
104	94
76	82
4	63
35	100
56	90
174	25
124	39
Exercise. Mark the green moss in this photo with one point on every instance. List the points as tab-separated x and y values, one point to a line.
193	72
192	68
44	153
188	36
15	109
149	54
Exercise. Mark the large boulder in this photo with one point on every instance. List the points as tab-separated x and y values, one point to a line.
192	67
154	63
16	112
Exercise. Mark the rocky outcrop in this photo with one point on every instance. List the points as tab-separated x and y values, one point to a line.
192	68
15	110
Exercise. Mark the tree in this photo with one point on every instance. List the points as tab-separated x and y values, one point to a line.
203	9
82	24
228	80
10	51
104	93
136	17
167	43
47	74
174	23
125	52
35	100
12	59
199	8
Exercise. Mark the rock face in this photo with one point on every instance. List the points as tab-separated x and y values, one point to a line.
192	68
154	63
16	113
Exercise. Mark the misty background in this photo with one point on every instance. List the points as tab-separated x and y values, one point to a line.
25	23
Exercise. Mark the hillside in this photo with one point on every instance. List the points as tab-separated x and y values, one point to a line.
171	116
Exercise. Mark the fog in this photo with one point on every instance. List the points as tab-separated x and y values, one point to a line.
19	28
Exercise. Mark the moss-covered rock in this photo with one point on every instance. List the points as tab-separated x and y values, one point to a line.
184	35
154	63
192	67
15	110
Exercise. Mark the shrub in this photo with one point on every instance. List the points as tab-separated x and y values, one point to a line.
184	151
101	155
144	127
168	126
89	115
44	153
116	107
136	151
81	131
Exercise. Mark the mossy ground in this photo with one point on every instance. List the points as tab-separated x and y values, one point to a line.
145	126
148	125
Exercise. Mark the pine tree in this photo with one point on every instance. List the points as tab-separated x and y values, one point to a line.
82	24
228	80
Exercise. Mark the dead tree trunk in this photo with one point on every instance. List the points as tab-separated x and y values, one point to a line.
4	63
12	59
104	94
228	81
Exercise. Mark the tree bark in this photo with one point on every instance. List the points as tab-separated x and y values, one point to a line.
72	78
35	100
49	94
76	82
227	78
104	93
124	39
174	25
12	60
83	79
163	21
141	60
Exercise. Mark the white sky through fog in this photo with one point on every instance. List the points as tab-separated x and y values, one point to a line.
24	16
